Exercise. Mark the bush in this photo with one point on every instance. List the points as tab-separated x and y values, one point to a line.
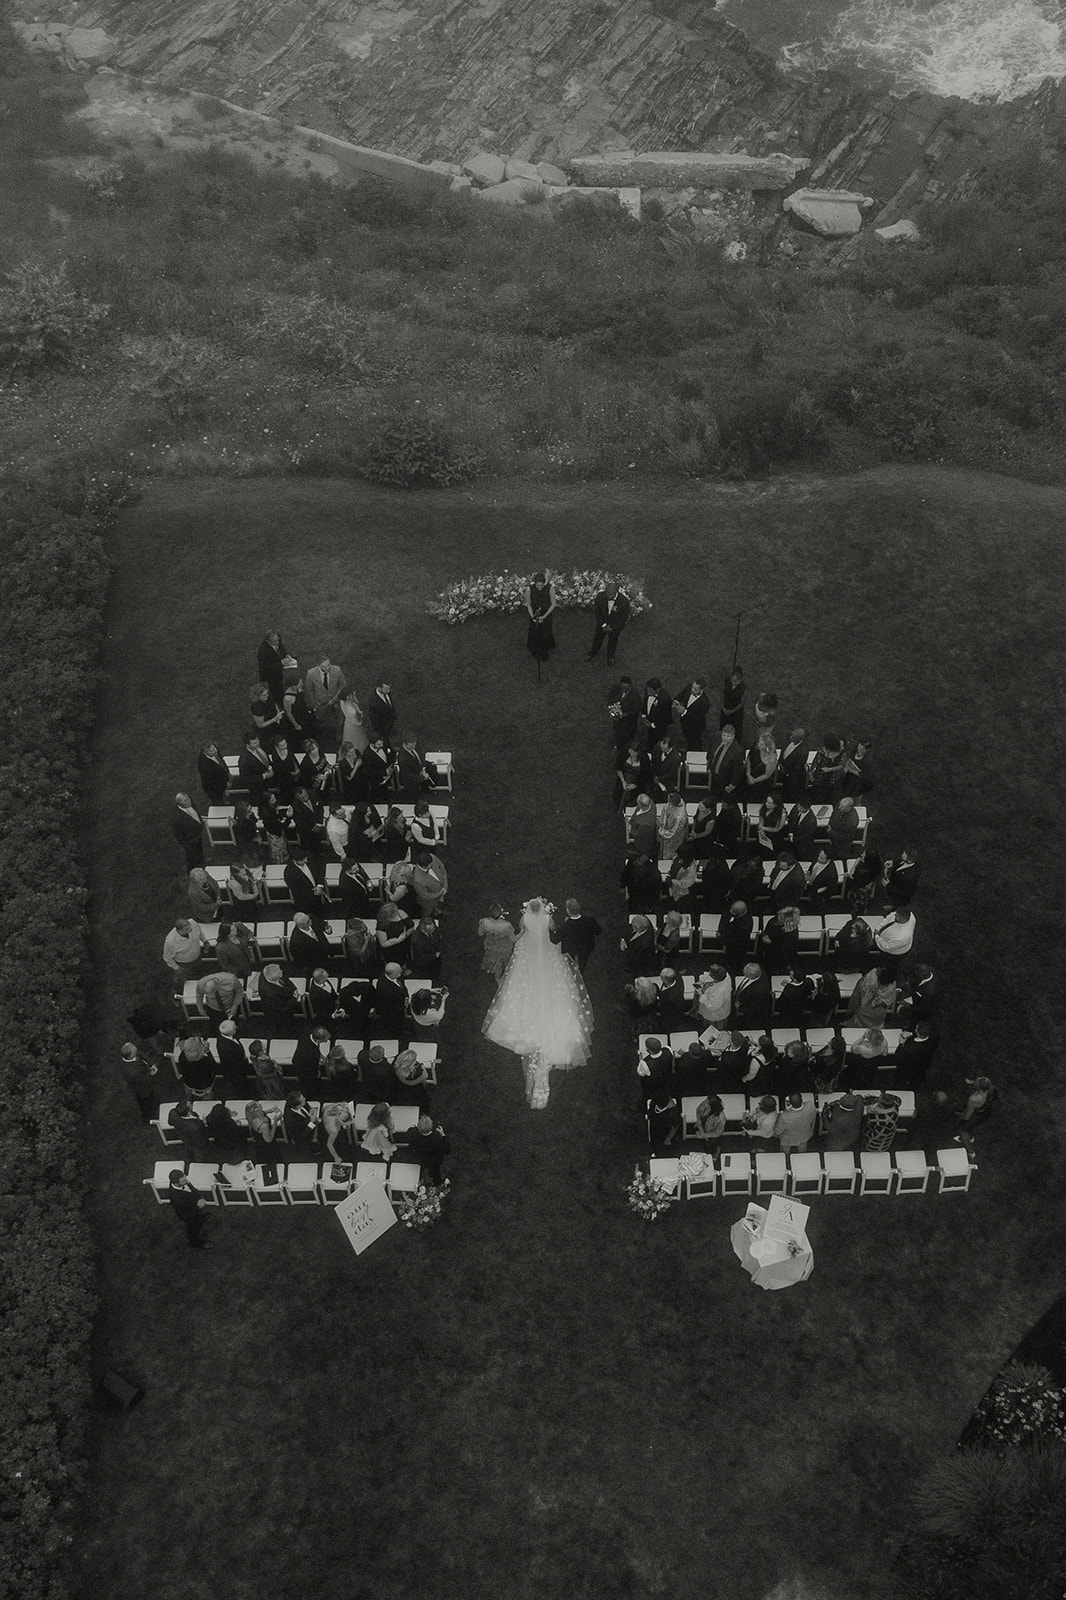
413	454
44	320
1023	1404
770	425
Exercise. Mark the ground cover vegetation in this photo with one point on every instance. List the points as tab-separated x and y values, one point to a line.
544	1394
168	314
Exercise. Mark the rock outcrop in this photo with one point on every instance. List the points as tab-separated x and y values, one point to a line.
834	213
675	169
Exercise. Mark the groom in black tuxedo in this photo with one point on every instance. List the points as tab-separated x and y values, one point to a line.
577	935
612	611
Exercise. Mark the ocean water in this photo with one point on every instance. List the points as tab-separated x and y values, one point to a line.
976	49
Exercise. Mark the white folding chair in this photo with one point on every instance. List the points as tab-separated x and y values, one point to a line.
404	1118
783	1036
811	935
331	1190
818	1038
190	1006
805	1171
201	1174
705	1185
955	1169
268	1194
403	1178
667	1171
771	1172
680	1042
735	1107
171	1139
237	1188
299	1183
270	939
735	1172
689	1104
875	1172
912	1171
366	1171
708	939
427	1054
841	1173
220	824
441	761
275	888
695	770
159	1182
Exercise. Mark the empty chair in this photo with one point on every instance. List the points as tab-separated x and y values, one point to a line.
236	1189
875	1172
159	1182
736	1171
805	1172
403	1178
955	1169
201	1174
912	1171
811	935
695	769
441	762
220	824
679	1042
735	1107
268	1194
709	924
688	1114
274	886
370	1171
841	1173
299	1182
771	1172
818	1038
270	939
702	1185
164	1130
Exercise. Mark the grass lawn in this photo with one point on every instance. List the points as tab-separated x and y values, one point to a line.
545	1396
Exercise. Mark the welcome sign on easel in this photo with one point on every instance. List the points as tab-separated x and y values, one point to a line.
366	1214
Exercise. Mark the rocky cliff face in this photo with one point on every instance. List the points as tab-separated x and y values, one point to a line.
549	80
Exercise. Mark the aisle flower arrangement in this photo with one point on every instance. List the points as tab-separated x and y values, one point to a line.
423	1208
648	1197
1023	1405
506	591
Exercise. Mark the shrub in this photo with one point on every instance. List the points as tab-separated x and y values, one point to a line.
44	320
412	453
1023	1404
770	425
377	204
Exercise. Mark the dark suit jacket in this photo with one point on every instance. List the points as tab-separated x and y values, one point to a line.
382	714
307	1065
268	659
254	774
310	947
188	831
278	1000
792	771
802	830
693	718
614	620
300	1129
353	893
624	726
301	892
233	1063
728	782
752	1003
214	779
791	888
577	936
390	1004
376	770
660	713
901	884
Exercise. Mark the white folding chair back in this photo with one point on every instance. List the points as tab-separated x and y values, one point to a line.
805	1172
841	1173
771	1172
735	1106
667	1171
299	1182
268	1194
955	1169
912	1171
875	1172
201	1174
735	1173
403	1178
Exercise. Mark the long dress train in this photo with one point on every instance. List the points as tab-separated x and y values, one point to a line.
541	1010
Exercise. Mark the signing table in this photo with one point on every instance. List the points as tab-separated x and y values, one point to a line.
762	1240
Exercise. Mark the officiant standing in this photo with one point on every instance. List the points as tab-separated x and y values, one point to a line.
612	611
540	603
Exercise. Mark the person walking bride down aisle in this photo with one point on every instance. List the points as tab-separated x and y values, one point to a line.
541	1010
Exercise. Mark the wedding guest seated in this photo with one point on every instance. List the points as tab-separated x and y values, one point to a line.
735	932
224	1131
668	937
196	1067
409	1081
879	1122
309	945
428	1145
842	1122
773	826
843	828
427	1006
790	1006
795	1123
873	998
322	996
378	1141
424	951
638	947
278	998
301	1126
802	829
338	1123
777	946
862	881
714	997
641	881
269	1083
204	895
752	998
664	1119
761	1123
263	1127
710	1123
823	880
829	1066
872	1046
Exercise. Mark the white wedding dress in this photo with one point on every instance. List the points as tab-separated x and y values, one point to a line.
541	1010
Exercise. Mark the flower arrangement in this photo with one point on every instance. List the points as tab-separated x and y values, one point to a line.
648	1197
423	1208
506	591
1022	1405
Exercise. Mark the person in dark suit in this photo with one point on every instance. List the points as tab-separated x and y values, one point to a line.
190	830
233	1065
356	1000
428	1145
190	1205
792	766
413	775
656	708
301	1124
914	1056
693	707
305	879
638	947
380	710
254	767
802	827
577	934
726	767
734	693
390	1002
641	881
278	998
286	770
791	1005
354	893
735	933
655	1068
623	704
214	774
612	611
901	880
920	998
309	945
268	662
310	1059
379	767
672	1004
787	882
752	998
745	876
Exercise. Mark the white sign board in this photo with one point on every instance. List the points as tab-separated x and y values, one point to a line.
366	1214
785	1220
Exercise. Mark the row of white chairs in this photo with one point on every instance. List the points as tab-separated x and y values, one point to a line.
817	931
404	1117
751	812
738	1106
439	760
274	891
219	821
270	940
817	1038
251	1007
294	1183
803	1173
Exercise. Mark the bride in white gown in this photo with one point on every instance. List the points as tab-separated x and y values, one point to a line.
541	1010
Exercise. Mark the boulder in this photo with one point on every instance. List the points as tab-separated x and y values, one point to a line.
522	169
679	169
89	47
483	168
905	230
450	169
548	173
834	213
42	35
672	200
628	198
460	184
514	192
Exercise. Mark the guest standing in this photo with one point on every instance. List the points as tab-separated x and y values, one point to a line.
540	604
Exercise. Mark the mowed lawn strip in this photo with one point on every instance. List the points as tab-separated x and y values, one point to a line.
545	1395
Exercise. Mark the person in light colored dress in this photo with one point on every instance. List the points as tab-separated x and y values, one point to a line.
497	935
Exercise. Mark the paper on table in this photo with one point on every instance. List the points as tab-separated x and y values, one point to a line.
786	1220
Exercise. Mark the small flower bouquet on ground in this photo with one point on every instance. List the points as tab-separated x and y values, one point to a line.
423	1208
648	1197
1022	1405
505	592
